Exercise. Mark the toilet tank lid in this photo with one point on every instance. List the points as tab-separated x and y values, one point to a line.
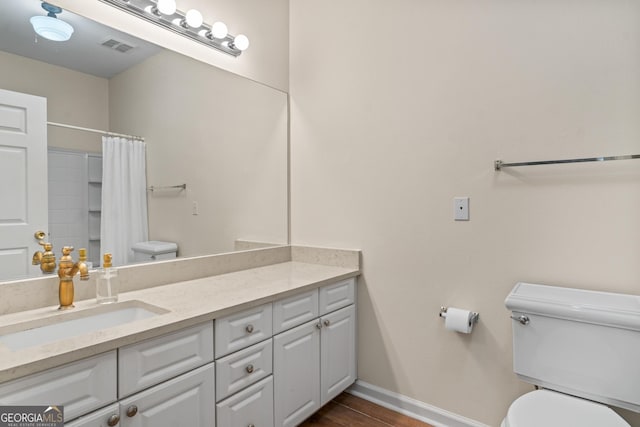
604	308
155	247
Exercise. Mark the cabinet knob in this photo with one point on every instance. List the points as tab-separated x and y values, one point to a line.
132	410
326	322
251	425
113	420
249	328
319	325
249	368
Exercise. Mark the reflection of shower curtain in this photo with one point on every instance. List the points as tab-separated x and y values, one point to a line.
124	197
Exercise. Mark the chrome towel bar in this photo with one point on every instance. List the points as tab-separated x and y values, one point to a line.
499	164
169	187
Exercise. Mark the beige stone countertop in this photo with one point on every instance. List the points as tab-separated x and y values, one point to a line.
188	303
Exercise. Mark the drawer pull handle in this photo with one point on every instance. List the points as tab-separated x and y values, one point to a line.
319	325
249	328
249	369
251	425
132	411
326	322
113	420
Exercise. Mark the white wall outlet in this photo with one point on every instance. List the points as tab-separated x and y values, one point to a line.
461	208
194	208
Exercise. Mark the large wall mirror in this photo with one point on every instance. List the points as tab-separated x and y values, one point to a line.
222	135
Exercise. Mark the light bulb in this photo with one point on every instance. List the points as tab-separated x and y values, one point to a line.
241	42
219	30
166	7
194	18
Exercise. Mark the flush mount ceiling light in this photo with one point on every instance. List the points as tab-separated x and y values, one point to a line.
50	27
190	24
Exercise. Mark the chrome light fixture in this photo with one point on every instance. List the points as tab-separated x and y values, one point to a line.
50	27
190	24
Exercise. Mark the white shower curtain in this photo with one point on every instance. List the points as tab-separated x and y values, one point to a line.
124	197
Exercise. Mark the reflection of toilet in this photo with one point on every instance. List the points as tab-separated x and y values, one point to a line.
154	250
580	347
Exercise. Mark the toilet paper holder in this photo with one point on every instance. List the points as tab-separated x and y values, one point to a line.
472	319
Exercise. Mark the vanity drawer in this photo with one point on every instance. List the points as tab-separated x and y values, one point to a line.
337	295
99	418
80	387
252	406
240	330
293	311
150	362
242	368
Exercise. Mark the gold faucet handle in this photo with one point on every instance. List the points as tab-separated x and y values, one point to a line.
66	250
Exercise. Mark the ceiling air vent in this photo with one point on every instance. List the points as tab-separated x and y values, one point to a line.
118	45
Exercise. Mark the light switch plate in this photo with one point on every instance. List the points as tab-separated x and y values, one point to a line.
461	208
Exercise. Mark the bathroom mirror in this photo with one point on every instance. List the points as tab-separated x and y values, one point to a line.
222	135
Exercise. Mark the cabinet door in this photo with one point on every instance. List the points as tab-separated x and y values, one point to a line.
338	352
184	401
251	407
296	372
105	417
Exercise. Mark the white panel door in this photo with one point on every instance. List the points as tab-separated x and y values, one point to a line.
23	180
338	352
187	400
296	373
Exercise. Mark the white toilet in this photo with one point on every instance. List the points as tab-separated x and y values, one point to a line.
580	347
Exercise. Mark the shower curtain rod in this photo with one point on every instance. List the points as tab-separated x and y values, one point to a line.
103	132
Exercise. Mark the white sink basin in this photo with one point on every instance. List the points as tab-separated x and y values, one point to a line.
74	323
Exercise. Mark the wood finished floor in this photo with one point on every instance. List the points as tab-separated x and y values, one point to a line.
347	410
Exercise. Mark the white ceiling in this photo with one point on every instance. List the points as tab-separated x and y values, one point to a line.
83	52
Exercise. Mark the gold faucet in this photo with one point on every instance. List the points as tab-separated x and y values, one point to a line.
46	259
66	271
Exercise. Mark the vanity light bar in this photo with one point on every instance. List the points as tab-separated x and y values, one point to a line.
147	10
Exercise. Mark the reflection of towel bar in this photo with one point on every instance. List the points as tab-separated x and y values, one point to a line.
499	164
170	187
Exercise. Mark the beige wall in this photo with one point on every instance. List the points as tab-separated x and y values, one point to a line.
397	107
265	23
72	98
222	135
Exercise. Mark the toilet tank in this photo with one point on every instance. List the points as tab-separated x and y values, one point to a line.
154	250
583	343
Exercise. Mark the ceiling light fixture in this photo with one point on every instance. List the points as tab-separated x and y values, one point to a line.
190	24
50	27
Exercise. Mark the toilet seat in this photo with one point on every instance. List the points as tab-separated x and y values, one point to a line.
552	409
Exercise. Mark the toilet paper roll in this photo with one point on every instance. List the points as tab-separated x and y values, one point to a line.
458	320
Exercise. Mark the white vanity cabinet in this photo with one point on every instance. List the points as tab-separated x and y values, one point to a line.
314	362
270	365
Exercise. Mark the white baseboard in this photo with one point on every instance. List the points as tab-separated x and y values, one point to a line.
413	408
